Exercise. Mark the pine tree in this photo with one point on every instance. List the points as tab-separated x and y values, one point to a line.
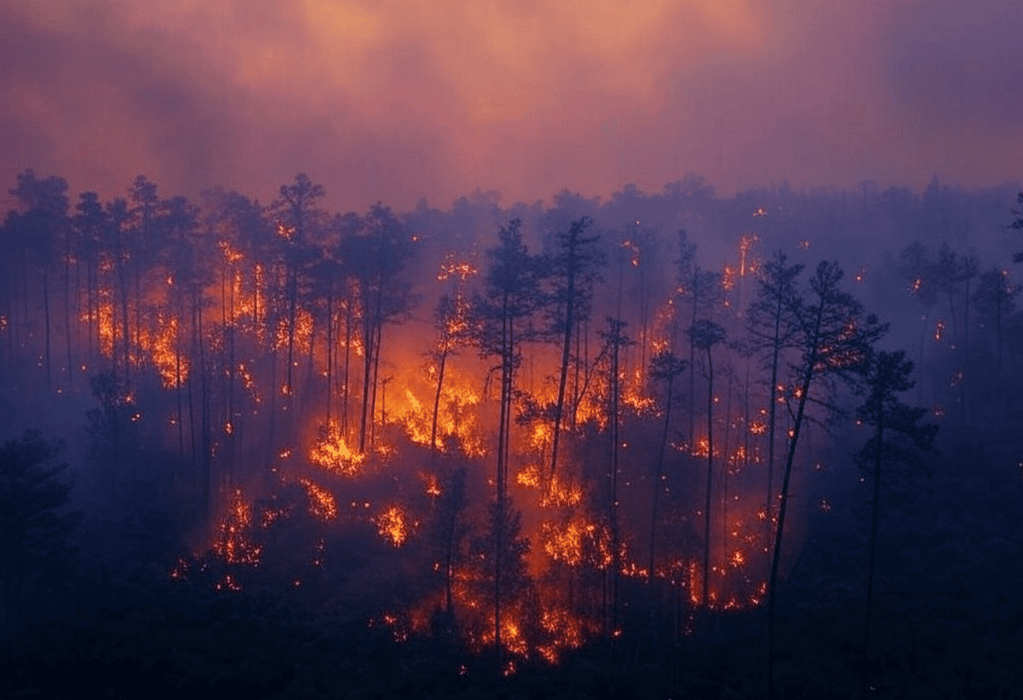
835	342
888	374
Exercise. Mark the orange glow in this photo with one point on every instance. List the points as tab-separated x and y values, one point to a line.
233	543
330	452
322	504
393	525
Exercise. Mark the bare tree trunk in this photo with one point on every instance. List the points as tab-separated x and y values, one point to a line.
874	517
46	313
659	477
710	477
436	398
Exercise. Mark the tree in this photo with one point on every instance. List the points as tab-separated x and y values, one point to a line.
503	550
90	225
375	254
297	216
835	343
450	527
614	340
704	291
995	301
664	368
772	329
452	321
511	297
705	335
1018	225
41	224
888	374
573	265
35	528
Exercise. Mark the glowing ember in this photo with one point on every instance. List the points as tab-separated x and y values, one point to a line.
233	543
322	504
393	525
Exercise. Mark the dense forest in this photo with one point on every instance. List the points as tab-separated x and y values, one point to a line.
664	445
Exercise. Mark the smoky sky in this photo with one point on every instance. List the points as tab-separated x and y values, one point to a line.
397	100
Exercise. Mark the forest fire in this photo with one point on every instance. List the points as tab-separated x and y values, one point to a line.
322	503
543	473
332	453
394	526
233	541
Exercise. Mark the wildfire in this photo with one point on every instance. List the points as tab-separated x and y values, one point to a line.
322	504
233	543
330	452
433	489
393	525
453	267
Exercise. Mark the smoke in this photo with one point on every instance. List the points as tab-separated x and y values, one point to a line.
398	101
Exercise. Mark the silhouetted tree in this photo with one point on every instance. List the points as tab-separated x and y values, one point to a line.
375	255
835	341
664	368
39	227
511	297
771	328
888	374
297	215
1018	225
35	528
453	324
705	335
573	264
995	301
450	528
90	225
615	340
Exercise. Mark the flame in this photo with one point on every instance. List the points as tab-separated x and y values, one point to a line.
393	525
322	504
233	543
330	452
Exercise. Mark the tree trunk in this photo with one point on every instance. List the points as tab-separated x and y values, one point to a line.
436	398
874	517
659	477
46	313
783	503
710	477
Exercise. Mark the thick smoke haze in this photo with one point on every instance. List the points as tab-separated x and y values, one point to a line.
399	101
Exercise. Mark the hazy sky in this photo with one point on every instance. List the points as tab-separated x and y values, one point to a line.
401	99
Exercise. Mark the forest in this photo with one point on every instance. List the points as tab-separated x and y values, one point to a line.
663	445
